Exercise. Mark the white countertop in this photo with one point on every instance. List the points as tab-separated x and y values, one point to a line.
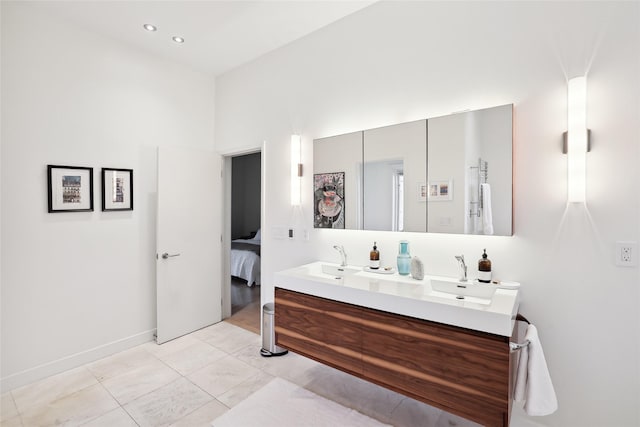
404	295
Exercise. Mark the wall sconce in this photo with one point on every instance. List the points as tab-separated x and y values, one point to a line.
296	170
576	140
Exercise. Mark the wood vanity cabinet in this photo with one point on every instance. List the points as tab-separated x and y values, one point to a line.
462	371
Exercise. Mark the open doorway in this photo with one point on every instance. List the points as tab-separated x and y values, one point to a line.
245	240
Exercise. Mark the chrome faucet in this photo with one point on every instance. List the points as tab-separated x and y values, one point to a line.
343	254
463	266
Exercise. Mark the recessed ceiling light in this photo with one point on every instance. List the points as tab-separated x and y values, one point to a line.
177	39
150	27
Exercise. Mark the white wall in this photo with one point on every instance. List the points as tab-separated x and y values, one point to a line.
400	61
76	286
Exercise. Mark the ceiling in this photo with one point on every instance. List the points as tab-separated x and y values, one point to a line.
219	35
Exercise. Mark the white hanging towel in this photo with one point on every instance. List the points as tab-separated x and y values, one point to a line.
519	393
533	382
487	215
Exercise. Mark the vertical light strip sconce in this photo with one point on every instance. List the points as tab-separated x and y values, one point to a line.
577	140
296	170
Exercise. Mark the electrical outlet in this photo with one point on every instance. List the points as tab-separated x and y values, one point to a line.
627	254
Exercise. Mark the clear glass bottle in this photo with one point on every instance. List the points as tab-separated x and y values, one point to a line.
484	268
374	258
404	258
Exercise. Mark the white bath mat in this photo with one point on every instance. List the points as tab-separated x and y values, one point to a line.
283	404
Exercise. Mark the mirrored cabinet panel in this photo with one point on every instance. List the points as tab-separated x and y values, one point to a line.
470	172
337	181
395	171
450	174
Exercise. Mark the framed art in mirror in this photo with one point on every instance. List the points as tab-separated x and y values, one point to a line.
70	189
117	189
328	200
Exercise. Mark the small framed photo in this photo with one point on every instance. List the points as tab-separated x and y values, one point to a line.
117	189
422	192
440	190
70	189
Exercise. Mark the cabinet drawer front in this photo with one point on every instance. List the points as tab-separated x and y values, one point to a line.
461	371
324	330
464	372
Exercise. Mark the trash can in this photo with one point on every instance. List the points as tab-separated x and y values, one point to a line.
269	347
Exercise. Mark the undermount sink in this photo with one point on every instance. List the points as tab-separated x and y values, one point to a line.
464	289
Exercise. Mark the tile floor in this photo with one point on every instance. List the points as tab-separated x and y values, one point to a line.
192	380
245	305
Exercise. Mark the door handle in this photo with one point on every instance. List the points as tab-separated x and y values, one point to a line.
166	255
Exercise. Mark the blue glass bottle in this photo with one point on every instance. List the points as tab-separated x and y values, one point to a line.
404	258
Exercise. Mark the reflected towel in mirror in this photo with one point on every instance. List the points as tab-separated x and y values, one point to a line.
487	215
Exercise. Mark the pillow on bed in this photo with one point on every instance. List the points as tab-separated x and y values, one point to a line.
257	236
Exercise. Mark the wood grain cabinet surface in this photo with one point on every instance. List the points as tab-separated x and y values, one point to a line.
465	372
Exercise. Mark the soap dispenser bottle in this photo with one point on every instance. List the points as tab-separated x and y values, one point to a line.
484	268
374	258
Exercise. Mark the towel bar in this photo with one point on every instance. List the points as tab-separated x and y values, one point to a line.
514	346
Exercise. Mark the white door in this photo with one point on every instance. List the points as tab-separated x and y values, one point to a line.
188	265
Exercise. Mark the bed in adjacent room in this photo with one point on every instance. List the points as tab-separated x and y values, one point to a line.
245	259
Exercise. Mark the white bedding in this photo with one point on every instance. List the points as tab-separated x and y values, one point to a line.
246	264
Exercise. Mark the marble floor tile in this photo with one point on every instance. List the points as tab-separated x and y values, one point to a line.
206	332
367	398
245	389
250	354
140	381
71	410
118	417
410	413
231	338
8	408
193	357
168	404
222	375
52	388
121	363
292	367
161	350
203	416
11	422
449	420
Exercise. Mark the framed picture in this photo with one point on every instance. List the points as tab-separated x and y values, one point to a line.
70	189
440	190
422	192
328	200
117	189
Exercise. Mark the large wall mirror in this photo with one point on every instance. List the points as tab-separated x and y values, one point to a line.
450	174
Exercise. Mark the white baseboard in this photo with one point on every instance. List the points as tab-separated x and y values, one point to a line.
73	361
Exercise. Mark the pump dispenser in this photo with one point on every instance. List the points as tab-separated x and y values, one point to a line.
374	258
484	268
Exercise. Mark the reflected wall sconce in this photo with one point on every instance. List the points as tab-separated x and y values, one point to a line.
296	170
577	140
